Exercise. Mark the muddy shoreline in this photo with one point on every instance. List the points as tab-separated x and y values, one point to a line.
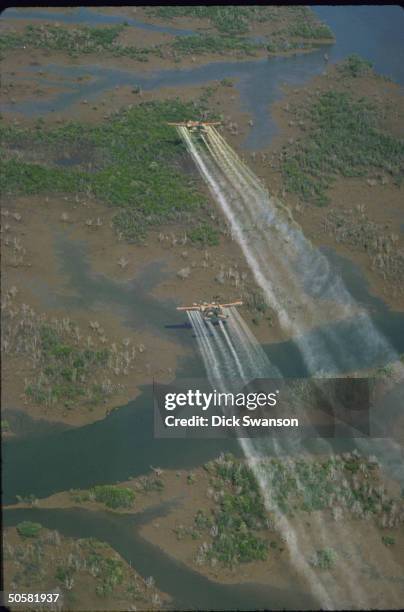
186	497
104	250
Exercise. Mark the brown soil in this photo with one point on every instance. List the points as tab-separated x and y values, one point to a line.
16	59
382	202
40	267
104	250
56	550
363	547
357	543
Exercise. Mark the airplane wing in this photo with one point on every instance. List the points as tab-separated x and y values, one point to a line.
188	308
239	303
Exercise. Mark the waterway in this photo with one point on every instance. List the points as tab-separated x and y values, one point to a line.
122	445
371	31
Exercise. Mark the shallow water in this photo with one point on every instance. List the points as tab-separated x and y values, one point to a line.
85	15
122	445
373	32
189	589
85	289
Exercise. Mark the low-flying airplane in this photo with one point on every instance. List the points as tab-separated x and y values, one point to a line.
193	125
211	311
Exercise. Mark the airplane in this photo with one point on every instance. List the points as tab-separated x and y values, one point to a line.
193	125
211	311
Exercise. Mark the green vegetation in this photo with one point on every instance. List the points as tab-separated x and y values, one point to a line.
304	485
27	178
226	19
238	517
137	170
209	43
88	562
151	483
5	425
231	23
76	41
324	559
355	66
108	571
113	496
388	540
111	573
227	82
241	528
28	529
237	19
66	370
255	300
310	30
344	140
204	235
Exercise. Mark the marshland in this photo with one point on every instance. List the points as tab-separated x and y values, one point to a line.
107	226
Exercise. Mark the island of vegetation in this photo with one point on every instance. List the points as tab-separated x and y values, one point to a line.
83	572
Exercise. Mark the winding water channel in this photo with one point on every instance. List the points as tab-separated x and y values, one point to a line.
122	445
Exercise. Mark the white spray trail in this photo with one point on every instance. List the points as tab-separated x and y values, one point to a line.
278	259
225	373
283	262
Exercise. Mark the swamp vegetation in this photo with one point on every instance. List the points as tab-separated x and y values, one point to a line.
240	528
137	166
343	137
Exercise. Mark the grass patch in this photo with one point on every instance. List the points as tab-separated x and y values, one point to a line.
344	140
310	30
209	43
140	172
237	19
355	66
238	517
28	529
38	563
226	19
388	540
204	235
113	496
324	559
76	41
232	24
65	371
108	571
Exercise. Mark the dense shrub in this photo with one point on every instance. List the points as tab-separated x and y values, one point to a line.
28	529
